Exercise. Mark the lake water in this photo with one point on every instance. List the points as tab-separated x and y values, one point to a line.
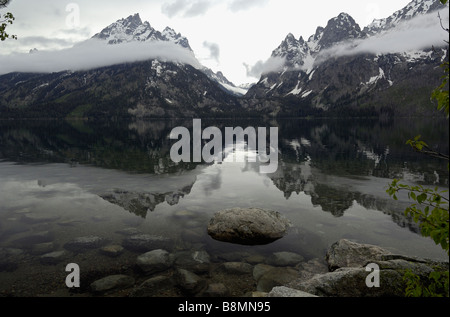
60	180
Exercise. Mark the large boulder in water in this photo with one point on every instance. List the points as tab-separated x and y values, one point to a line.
248	226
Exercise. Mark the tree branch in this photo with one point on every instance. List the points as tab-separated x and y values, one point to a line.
4	3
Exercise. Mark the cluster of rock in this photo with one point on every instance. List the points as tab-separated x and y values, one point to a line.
157	269
347	277
161	269
195	274
283	274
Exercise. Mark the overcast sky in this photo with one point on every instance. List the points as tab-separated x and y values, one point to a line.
225	35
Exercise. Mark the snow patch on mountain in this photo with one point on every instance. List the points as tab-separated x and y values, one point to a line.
342	37
374	79
298	89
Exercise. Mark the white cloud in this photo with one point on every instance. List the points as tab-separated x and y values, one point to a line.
214	50
93	54
188	8
421	32
273	64
199	7
242	5
194	8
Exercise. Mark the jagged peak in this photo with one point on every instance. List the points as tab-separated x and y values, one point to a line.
133	29
134	20
318	34
342	20
289	43
169	32
168	29
290	37
135	16
341	28
344	16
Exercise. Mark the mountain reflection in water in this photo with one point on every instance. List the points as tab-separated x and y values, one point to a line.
332	174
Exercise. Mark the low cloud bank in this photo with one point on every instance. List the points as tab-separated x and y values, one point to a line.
273	64
94	54
419	33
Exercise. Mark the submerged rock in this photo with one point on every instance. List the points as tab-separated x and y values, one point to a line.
236	268
195	261
190	283
146	242
275	276
216	290
248	226
152	287
112	250
10	259
285	259
154	261
81	244
112	282
43	248
130	231
53	258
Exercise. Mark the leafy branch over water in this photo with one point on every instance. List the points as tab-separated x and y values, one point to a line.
430	208
434	216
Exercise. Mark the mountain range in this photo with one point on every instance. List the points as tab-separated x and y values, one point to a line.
342	69
345	69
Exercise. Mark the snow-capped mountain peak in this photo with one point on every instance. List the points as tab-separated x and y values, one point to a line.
170	35
411	10
342	65
339	29
297	53
343	28
293	50
133	29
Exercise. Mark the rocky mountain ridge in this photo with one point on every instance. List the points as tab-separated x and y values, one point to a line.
333	73
149	88
133	29
334	70
411	10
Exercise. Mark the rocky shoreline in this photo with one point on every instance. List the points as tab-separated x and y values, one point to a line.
163	273
350	273
345	276
145	265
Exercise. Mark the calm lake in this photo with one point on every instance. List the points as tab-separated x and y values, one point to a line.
61	180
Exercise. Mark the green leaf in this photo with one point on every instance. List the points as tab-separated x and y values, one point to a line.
421	198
